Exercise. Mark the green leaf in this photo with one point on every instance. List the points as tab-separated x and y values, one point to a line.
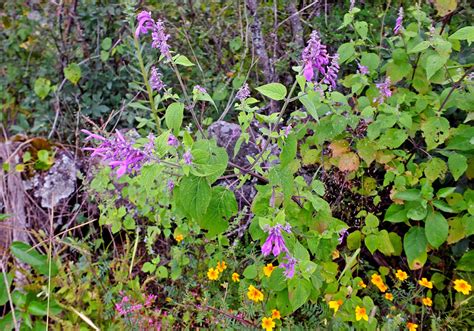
346	51
385	244
457	164
274	91
148	267
436	229
434	63
466	263
73	73
250	272
353	240
42	87
106	44
444	7
370	60
372	243
396	214
298	292
209	160
194	195
361	28
466	33
415	245
183	61
288	152
32	257
393	138
435	169
409	195
174	116
420	47
4	288
366	150
435	131
37	308
221	207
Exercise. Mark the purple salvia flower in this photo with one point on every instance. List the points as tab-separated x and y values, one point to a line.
289	266
170	185
342	234
384	90
333	70
160	39
275	242
287	130
188	157
145	23
363	70
352	5
200	89
119	152
315	57
173	141
155	80
243	93
150	145
399	22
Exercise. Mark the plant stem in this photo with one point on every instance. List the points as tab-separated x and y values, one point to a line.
147	85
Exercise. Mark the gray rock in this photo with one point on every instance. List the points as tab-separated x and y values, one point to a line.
226	135
58	183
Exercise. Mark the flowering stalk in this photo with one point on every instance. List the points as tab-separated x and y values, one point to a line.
146	79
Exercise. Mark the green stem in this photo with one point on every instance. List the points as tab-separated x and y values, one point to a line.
147	85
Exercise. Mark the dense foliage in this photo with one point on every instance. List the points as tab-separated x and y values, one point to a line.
341	198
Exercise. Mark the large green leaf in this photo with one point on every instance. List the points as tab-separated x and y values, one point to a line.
436	229
434	63
466	33
174	116
435	130
288	152
298	292
466	263
274	91
209	160
32	257
221	207
415	245
457	164
193	196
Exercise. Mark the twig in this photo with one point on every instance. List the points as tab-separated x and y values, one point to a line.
455	86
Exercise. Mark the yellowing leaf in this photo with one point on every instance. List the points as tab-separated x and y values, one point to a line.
349	162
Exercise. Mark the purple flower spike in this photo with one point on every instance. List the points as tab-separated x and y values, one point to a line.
315	57
333	70
160	39
275	242
170	185
119	152
243	93
363	70
200	89
188	157
155	80
384	90
145	23
173	141
399	22
289	266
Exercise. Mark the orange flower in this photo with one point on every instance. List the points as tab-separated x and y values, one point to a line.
424	282
427	301
462	286
362	284
212	274
361	313
401	275
268	324
412	326
335	305
268	269
235	277
179	238
254	294
389	296
221	266
378	281
276	314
